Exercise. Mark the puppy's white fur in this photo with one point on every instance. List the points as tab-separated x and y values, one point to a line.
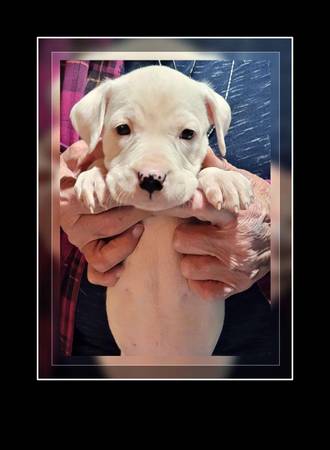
151	310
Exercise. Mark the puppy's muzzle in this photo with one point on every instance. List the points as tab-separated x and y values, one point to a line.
151	181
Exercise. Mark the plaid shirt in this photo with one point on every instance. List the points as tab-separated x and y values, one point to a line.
78	78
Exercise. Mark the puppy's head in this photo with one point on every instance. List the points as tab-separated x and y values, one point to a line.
153	123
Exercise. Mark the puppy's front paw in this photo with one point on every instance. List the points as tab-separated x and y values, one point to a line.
226	189
92	190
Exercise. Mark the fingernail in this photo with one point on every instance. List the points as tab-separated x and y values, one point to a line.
138	230
228	290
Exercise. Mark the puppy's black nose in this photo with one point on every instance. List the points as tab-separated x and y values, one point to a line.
150	183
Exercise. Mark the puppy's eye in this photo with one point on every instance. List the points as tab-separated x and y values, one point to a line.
187	134
123	129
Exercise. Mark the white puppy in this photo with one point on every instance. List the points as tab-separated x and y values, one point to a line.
153	123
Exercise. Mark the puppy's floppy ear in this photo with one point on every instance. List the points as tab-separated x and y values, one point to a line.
87	115
219	114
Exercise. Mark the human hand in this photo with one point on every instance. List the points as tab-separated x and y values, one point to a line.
224	259
91	232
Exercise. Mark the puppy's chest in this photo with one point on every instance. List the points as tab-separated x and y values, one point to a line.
153	268
151	310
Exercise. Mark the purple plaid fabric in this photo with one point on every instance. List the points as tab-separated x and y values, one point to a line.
77	79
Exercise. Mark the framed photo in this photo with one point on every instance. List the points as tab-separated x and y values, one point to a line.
164	208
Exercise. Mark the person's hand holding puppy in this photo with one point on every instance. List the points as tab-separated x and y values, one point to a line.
91	233
217	261
221	261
